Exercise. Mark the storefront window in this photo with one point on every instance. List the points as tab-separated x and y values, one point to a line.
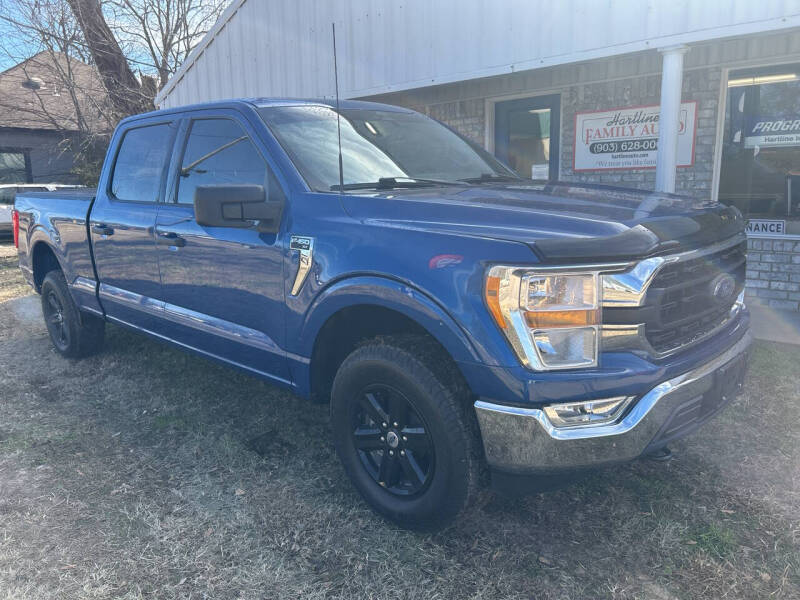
760	171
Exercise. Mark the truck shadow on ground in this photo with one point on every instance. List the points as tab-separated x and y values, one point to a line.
185	477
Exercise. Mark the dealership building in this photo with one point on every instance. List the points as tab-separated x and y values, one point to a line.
700	98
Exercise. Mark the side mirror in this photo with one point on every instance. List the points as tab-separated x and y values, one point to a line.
236	205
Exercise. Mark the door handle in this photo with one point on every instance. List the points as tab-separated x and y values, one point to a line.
102	229
170	239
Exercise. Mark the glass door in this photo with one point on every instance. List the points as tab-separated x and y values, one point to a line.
526	135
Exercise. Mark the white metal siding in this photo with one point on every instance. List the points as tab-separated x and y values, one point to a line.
284	48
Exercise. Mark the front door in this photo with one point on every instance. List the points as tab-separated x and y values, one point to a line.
123	218
222	286
526	135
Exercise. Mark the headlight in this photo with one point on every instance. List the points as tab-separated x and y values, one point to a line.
552	319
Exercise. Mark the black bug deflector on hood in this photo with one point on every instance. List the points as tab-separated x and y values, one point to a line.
657	223
648	238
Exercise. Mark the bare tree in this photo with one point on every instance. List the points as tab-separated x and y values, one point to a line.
135	45
160	34
52	87
154	36
104	60
125	91
46	42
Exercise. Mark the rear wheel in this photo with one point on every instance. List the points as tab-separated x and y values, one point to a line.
403	433
74	334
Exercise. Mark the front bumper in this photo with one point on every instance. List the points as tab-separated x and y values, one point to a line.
524	441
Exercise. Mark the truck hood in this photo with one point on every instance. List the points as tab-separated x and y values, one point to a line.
561	222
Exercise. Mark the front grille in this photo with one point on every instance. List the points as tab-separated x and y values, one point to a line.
681	298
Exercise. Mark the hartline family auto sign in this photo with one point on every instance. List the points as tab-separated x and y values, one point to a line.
627	138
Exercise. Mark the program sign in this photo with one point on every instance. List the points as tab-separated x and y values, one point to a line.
627	138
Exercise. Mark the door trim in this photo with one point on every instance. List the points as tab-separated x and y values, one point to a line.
195	320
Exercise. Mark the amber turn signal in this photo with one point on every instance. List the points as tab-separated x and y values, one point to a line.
561	318
493	300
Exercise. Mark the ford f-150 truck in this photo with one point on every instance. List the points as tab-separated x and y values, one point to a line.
460	320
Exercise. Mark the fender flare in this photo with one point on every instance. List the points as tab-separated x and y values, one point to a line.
391	294
41	235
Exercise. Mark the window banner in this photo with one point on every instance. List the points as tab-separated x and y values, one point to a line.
627	138
767	132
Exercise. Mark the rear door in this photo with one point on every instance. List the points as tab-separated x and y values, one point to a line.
122	223
222	287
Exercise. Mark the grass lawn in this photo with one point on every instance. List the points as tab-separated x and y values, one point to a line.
146	472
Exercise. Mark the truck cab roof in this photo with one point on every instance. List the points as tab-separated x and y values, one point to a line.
269	102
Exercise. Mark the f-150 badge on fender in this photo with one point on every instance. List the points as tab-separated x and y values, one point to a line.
304	245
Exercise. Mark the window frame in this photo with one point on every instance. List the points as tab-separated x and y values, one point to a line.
171	124
26	153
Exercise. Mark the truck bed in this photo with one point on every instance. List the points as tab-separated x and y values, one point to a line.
61	217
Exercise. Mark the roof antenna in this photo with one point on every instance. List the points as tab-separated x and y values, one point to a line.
338	116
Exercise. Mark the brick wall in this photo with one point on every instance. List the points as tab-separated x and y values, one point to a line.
468	117
773	273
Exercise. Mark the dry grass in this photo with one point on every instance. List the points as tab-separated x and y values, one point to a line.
11	283
146	472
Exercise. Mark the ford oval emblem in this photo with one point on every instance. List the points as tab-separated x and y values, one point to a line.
722	287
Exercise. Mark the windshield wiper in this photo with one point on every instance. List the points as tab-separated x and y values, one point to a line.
390	183
491	177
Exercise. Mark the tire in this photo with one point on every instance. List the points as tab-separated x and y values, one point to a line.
74	334
436	434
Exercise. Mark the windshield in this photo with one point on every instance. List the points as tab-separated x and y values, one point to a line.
376	145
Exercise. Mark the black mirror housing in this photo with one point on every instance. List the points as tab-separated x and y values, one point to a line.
236	205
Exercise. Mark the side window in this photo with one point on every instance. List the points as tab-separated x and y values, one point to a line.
218	151
140	163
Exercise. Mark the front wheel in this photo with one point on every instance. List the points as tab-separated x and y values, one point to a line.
403	433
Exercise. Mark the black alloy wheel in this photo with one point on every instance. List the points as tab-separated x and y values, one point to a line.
74	334
392	441
402	427
56	322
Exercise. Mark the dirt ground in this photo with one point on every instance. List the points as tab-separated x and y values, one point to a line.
146	472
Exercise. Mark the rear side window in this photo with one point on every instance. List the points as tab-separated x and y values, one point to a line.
140	163
7	195
218	151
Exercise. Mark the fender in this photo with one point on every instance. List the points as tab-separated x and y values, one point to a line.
50	238
82	289
387	293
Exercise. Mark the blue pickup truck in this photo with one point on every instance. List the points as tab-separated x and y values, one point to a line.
467	326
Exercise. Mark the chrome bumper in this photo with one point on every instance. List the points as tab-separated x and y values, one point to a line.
524	440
